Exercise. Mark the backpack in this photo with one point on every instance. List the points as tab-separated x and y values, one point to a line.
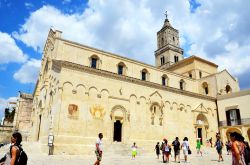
247	155
219	145
22	158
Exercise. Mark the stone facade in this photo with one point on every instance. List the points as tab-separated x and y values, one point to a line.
82	91
234	114
22	121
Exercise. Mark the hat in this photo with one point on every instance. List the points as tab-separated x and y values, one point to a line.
164	139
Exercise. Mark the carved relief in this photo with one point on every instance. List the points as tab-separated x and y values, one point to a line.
97	112
73	112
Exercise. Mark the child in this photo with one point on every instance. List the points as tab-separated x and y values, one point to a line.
134	150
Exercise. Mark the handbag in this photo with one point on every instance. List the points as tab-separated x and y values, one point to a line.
189	151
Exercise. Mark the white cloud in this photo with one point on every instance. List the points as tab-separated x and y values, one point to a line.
28	73
28	5
217	30
9	51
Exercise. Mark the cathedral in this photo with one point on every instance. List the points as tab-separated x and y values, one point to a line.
82	91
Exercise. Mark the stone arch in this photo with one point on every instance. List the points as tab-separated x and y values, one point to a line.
205	88
93	91
156	113
80	90
188	108
201	119
182	107
228	89
232	129
124	68
104	94
118	112
67	87
182	84
165	80
145	72
175	106
167	105
98	61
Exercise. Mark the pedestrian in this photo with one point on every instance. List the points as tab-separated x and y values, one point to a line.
238	148
228	147
167	150
15	152
219	146
211	142
99	149
157	149
185	148
198	147
176	144
134	150
162	150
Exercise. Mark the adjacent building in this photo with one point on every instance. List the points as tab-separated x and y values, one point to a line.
234	114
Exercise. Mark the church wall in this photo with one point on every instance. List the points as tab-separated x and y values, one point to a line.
108	62
224	79
205	68
96	97
210	80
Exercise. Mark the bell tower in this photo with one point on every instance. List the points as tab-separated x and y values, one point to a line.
168	46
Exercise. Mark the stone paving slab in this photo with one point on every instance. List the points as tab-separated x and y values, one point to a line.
209	158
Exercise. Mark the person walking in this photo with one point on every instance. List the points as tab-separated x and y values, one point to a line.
219	146
14	154
198	147
238	148
162	150
99	149
176	144
185	147
134	150
157	149
167	150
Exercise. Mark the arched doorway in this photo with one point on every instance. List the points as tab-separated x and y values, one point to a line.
119	117
117	131
201	127
230	130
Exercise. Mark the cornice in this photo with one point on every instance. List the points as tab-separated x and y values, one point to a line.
102	73
233	95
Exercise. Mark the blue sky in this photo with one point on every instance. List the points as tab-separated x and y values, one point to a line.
217	31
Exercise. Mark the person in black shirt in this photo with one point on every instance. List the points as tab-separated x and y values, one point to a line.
157	149
176	145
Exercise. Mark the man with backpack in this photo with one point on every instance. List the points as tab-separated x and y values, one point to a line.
16	155
219	146
176	145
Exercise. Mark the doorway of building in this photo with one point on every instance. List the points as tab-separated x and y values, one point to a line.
117	131
200	134
39	125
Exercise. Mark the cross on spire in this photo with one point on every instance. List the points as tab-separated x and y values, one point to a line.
166	14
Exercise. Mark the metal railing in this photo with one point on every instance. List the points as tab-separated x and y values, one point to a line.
245	121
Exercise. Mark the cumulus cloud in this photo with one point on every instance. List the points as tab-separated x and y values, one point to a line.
9	51
129	29
28	73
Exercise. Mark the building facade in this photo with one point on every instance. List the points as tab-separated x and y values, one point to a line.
234	114
82	91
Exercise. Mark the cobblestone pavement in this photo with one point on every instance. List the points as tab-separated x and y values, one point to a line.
111	158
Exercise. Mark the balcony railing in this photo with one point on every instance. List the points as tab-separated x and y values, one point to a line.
245	121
